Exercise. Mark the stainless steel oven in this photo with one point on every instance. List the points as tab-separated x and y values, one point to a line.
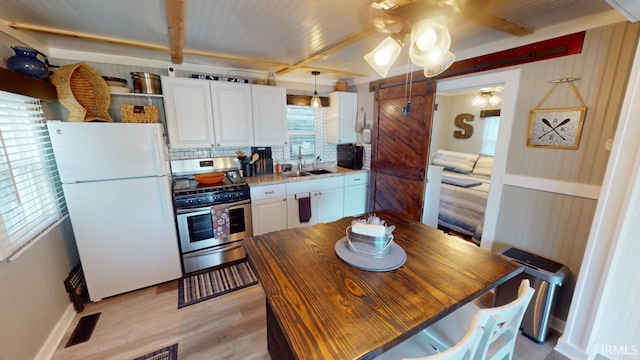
193	203
200	249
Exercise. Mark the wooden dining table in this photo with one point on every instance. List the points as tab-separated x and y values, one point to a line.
321	307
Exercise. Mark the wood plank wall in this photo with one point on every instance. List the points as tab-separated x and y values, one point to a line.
557	225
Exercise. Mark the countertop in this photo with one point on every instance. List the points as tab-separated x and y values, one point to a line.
272	179
319	307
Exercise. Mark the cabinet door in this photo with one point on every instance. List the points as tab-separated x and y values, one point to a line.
232	114
355	200
341	117
187	104
269	115
293	218
269	215
330	204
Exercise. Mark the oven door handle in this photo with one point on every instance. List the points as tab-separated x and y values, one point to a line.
229	247
208	208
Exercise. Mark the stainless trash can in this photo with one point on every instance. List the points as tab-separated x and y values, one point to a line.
545	277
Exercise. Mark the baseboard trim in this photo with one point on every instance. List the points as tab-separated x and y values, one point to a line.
557	324
570	351
49	347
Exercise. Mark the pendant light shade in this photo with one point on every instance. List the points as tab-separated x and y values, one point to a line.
315	99
383	56
430	43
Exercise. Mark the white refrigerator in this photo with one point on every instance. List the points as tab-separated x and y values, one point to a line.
117	184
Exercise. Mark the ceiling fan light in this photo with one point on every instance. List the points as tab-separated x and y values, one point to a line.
494	99
427	39
429	42
433	69
486	98
479	101
383	56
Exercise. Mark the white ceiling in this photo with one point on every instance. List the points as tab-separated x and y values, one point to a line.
274	33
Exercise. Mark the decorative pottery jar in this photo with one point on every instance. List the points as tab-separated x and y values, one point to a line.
26	62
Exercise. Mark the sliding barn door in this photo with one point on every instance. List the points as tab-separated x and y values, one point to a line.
400	148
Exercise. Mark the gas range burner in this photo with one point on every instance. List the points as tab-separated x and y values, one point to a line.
188	185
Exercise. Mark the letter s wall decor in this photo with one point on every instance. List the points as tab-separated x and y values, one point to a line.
467	128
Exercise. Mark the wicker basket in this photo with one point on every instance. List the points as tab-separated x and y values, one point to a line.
83	92
138	113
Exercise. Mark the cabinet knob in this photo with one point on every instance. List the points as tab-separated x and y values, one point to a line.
218	144
284	199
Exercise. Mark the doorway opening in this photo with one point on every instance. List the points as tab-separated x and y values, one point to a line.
509	80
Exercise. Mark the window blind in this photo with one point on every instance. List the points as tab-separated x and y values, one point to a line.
31	197
490	135
301	130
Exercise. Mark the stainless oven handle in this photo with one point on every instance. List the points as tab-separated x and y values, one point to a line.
192	210
212	251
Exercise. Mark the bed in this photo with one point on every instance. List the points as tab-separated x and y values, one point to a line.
463	191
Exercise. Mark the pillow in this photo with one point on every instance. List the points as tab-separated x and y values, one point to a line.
483	165
455	161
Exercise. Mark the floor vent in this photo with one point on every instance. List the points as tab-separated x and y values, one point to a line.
83	329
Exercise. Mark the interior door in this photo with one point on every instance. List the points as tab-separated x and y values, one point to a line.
400	148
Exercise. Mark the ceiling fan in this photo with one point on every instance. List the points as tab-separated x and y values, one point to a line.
427	23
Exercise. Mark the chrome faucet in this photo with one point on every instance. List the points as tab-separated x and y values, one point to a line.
299	158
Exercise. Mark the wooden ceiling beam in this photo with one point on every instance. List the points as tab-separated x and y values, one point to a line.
75	34
503	25
175	23
330	50
233	58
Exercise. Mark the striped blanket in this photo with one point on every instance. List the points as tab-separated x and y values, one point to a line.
462	208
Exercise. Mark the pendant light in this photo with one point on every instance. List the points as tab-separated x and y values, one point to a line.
315	99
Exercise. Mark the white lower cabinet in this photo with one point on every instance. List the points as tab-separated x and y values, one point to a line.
356	193
276	207
293	213
330	204
268	208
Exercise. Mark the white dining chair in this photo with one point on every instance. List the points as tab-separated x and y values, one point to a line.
502	325
416	347
468	333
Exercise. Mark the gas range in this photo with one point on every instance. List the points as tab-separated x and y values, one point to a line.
202	210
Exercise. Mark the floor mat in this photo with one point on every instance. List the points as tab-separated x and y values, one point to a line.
168	353
202	286
83	329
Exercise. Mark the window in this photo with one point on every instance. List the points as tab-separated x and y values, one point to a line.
301	131
490	135
31	198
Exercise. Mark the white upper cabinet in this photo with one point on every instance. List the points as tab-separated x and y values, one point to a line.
232	113
187	106
203	113
341	117
269	115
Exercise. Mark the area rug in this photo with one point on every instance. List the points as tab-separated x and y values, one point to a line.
202	286
168	353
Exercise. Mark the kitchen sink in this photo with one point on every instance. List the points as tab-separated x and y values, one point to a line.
294	174
319	171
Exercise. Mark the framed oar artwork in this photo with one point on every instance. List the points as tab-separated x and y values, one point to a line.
556	128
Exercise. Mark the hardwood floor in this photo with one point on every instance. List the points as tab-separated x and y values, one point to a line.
231	326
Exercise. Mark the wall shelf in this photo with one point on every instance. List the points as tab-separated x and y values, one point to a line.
138	95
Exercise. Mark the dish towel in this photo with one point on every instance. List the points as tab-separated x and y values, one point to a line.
304	209
220	220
